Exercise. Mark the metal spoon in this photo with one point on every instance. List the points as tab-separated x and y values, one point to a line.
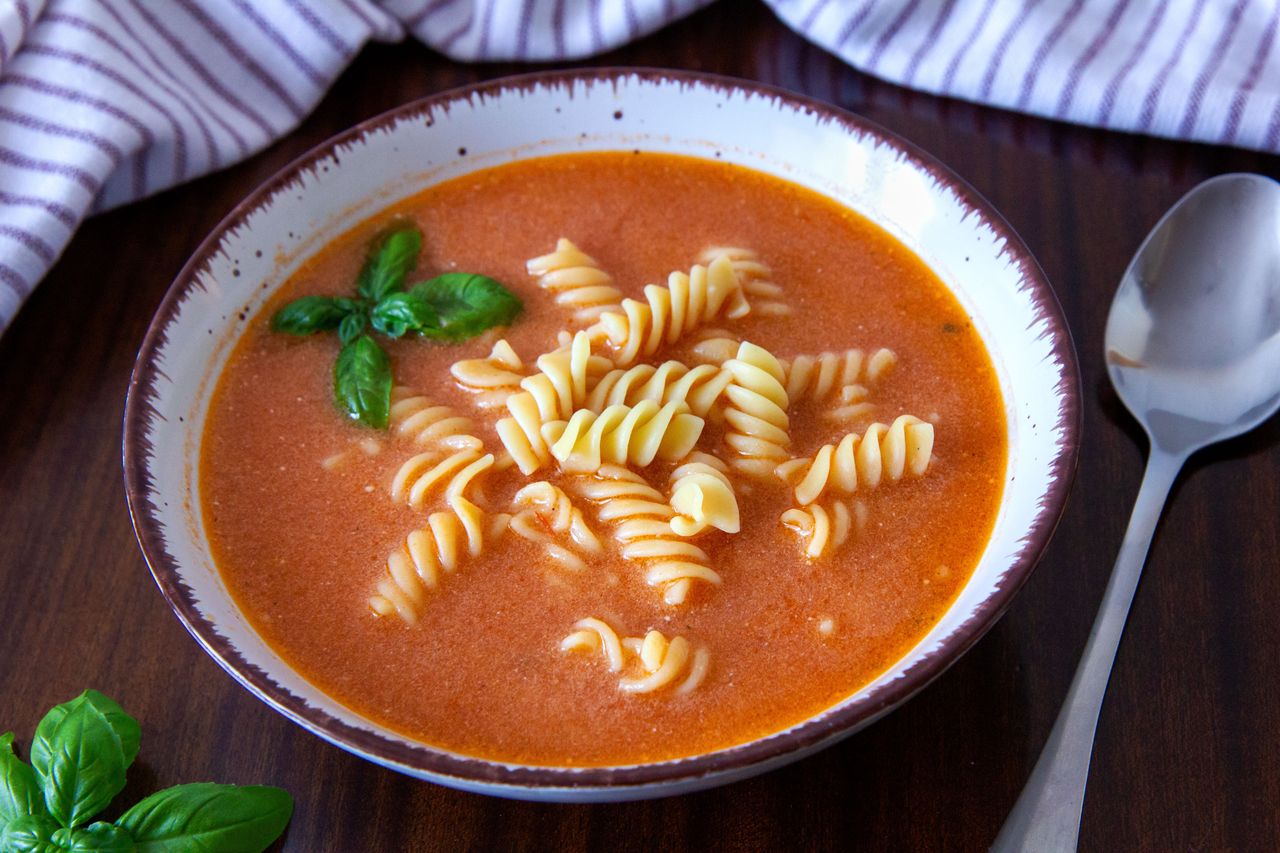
1193	349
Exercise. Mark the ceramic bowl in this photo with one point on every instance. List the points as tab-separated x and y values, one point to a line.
353	176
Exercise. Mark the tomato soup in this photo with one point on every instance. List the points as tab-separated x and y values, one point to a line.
455	615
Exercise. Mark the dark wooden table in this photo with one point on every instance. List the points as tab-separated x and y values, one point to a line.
1188	750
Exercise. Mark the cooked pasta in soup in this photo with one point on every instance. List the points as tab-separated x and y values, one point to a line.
735	457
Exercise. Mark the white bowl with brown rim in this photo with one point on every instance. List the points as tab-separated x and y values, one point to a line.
353	176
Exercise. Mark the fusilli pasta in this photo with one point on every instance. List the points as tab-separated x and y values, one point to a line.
576	280
564	374
671	382
425	473
765	296
757	426
548	510
823	529
428	424
641	519
553	393
714	346
851	403
623	434
491	379
702	496
892	452
659	662
414	569
817	377
688	301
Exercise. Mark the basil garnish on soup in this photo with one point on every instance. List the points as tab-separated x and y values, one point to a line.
451	308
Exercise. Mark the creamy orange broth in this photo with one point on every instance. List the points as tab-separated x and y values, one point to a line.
302	547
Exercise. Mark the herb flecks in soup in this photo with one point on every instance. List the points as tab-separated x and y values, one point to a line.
660	513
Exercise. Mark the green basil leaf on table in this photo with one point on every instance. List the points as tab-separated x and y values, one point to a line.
125	726
97	837
80	752
20	793
467	304
310	314
351	327
209	818
29	834
391	257
362	382
402	312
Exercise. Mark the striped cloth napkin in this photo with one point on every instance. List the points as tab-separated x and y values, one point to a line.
106	101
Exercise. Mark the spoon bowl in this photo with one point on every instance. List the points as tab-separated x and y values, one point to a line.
1193	349
1193	337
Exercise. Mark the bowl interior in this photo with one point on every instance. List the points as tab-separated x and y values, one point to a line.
353	177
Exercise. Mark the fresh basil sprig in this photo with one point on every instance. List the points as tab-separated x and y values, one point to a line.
79	756
451	307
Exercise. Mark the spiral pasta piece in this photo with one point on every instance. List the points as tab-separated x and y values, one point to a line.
577	281
663	662
818	377
668	313
521	433
623	435
564	376
851	403
424	474
434	426
415	569
823	529
491	379
659	662
641	521
757	426
592	635
765	296
902	449
670	382
714	346
553	393
548	510
702	496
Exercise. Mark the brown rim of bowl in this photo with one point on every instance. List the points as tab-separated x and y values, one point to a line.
773	748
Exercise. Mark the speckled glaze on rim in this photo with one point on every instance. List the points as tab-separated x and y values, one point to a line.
234	270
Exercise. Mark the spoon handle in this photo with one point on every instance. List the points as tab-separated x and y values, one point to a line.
1046	818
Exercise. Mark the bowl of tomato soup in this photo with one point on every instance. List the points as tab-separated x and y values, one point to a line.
600	435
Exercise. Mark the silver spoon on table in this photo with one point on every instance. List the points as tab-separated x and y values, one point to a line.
1193	349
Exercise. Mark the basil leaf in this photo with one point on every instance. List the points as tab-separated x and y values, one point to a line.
351	327
19	786
391	257
125	726
29	834
96	838
308	315
398	313
208	818
362	382
467	304
80	751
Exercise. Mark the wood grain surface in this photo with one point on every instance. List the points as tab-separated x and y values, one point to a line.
1188	749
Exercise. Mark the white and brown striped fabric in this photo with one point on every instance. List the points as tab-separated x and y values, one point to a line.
106	101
